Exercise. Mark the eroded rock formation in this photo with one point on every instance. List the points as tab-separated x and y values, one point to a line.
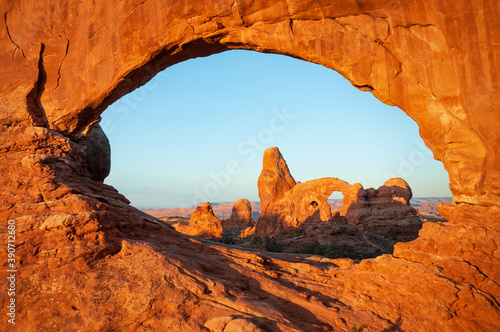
202	223
241	215
284	209
85	257
275	178
388	205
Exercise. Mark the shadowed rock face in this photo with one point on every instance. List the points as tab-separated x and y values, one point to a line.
98	154
89	261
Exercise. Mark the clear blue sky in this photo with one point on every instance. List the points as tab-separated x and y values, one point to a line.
197	131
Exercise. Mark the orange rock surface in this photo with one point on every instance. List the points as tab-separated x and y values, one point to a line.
202	223
89	261
275	178
241	215
308	201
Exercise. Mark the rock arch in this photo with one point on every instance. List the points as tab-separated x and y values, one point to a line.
286	204
63	63
72	69
302	202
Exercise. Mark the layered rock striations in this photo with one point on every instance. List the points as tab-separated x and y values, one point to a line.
85	257
366	209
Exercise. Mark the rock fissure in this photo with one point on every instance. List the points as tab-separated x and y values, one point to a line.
62	61
364	87
34	104
409	26
11	39
379	41
138	5
95	32
235	7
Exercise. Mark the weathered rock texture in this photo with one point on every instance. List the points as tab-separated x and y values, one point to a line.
202	223
241	215
288	208
88	261
275	178
389	205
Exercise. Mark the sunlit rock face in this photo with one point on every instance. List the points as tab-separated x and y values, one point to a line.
88	261
275	178
286	205
202	223
241	215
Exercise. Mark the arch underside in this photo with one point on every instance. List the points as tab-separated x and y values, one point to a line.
437	62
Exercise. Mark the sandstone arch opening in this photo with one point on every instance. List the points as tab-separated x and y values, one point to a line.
300	135
64	62
335	201
127	116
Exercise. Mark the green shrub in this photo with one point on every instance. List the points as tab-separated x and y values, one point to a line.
314	248
373	254
256	239
230	236
296	233
394	232
350	253
332	249
272	245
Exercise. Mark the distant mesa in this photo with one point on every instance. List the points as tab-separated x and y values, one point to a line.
428	206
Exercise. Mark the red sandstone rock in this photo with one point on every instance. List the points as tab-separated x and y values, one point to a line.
242	211
399	190
389	205
89	261
202	223
369	43
84	237
241	215
222	210
275	178
305	201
